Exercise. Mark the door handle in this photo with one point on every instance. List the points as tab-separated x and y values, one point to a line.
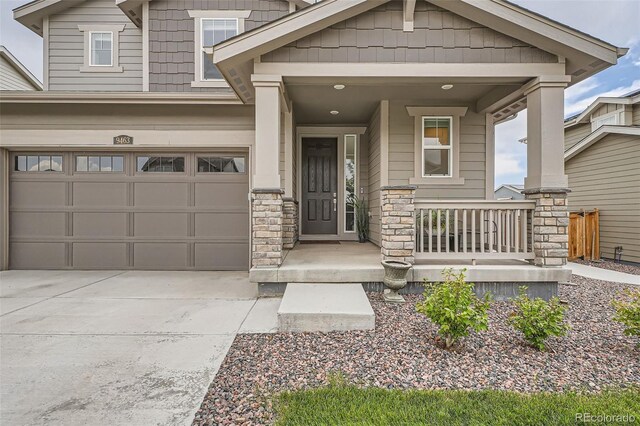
335	205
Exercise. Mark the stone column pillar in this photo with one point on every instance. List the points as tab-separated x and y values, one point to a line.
546	182
266	228
289	222
550	226
398	222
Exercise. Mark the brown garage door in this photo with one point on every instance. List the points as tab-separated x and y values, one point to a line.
173	211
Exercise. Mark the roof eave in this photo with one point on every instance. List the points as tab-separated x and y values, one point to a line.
48	97
21	69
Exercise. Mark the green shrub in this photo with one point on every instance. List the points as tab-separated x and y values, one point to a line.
454	307
628	312
537	319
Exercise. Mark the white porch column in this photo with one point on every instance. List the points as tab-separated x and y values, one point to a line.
546	182
4	209
267	150
545	133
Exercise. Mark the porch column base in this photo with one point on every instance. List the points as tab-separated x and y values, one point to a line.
398	223
289	222
550	226
266	228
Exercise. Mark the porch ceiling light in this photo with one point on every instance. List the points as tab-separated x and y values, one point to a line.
339	86
447	86
334	112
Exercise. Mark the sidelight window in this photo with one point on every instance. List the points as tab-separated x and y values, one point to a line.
350	170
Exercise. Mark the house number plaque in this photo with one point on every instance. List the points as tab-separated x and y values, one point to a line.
123	140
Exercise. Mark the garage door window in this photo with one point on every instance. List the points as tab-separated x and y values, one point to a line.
160	164
220	164
100	163
38	163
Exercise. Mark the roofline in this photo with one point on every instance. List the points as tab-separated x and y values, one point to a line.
144	98
597	135
509	186
620	100
24	71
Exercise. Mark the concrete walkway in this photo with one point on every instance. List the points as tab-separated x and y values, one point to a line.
118	348
603	274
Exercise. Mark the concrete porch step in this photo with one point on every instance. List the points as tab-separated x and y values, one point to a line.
325	307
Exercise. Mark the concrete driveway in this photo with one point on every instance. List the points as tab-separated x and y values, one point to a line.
115	348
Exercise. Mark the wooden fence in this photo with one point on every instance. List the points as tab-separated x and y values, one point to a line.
584	235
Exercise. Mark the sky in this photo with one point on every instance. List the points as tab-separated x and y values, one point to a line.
614	21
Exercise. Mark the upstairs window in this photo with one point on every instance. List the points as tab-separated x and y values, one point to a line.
101	49
213	27
215	31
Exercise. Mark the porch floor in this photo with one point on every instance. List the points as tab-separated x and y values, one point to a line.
352	262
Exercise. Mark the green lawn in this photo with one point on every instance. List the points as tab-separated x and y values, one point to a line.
348	405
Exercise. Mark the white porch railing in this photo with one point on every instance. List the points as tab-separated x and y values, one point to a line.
473	229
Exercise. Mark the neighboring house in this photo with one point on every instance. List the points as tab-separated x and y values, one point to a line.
14	75
160	117
509	192
602	153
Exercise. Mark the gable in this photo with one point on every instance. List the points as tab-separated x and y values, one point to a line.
439	36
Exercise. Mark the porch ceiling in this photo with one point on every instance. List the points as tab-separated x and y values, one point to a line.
313	102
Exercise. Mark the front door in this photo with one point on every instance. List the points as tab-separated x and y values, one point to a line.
319	186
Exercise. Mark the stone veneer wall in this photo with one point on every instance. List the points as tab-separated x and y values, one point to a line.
398	222
550	226
289	223
266	228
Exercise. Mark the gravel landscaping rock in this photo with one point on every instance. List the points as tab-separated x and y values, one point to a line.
592	356
612	266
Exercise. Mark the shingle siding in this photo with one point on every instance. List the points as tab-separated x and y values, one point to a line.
605	176
66	49
171	37
438	36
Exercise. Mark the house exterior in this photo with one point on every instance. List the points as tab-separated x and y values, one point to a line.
211	134
509	192
15	76
602	151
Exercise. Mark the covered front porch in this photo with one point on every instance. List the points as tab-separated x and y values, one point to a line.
353	262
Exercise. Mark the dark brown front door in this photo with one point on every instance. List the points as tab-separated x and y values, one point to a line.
319	186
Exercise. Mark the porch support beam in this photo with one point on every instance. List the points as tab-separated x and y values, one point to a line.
391	71
269	96
4	209
289	141
408	15
545	133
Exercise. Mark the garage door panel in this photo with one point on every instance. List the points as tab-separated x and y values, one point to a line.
38	224
99	224
225	225
37	255
222	257
160	224
161	194
103	194
38	193
223	195
167	256
100	255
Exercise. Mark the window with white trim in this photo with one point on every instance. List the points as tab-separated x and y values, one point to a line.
437	155
213	27
214	31
101	49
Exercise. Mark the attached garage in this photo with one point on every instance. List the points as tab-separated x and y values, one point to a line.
129	210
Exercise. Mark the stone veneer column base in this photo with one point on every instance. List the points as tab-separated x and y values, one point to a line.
266	228
289	223
550	226
398	222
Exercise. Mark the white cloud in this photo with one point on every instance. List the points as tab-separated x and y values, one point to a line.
580	105
508	164
581	88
